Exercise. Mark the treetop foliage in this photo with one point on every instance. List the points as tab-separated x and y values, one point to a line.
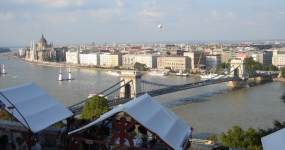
139	66
95	106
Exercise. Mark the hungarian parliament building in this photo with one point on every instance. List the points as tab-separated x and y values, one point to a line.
44	52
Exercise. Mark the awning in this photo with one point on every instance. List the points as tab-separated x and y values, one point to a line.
38	110
275	140
155	117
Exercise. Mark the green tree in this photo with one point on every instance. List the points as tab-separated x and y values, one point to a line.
283	72
252	139
213	138
235	138
139	66
95	106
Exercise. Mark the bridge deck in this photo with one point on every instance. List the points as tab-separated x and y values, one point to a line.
78	109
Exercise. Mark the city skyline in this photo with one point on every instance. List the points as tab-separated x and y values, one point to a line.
66	22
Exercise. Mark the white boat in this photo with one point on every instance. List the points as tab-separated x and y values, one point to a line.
214	76
158	73
182	74
209	76
114	73
95	93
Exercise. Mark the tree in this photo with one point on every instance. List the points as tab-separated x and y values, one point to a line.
235	138
283	72
95	106
139	66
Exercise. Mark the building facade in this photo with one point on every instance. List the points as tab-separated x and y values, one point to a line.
104	60
174	62
44	52
213	60
278	58
72	57
195	57
263	57
90	59
150	60
115	60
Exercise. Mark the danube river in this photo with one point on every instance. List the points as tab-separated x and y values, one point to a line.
210	109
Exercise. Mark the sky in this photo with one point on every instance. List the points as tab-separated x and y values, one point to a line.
72	22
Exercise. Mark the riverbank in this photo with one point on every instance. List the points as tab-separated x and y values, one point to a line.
70	65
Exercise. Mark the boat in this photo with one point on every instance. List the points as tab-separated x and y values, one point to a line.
208	76
158	73
214	76
182	74
95	93
114	73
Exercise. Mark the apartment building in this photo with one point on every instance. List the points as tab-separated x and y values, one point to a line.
115	60
195	57
174	62
150	60
263	57
72	57
278	58
213	60
104	60
90	59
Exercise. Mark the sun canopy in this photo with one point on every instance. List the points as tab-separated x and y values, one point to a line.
155	117
275	140
39	109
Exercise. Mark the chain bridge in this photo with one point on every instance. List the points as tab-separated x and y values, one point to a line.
131	85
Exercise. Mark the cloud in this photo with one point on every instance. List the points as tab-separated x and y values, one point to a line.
258	6
215	15
281	12
149	13
53	3
229	16
102	15
123	3
149	3
8	16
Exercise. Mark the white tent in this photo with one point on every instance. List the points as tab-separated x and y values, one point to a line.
155	117
39	110
274	141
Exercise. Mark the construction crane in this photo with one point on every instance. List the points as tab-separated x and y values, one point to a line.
198	67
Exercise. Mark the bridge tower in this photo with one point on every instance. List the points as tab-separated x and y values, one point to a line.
134	87
240	72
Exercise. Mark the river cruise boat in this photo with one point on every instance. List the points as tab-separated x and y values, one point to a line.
158	73
182	74
114	73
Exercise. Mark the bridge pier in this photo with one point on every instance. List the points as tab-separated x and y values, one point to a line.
237	83
134	87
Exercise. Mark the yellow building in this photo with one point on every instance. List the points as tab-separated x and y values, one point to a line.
115	60
174	62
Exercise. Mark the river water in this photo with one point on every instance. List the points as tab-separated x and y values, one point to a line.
210	109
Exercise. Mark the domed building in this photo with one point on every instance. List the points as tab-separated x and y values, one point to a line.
44	52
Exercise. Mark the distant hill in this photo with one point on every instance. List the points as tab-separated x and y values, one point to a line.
4	49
